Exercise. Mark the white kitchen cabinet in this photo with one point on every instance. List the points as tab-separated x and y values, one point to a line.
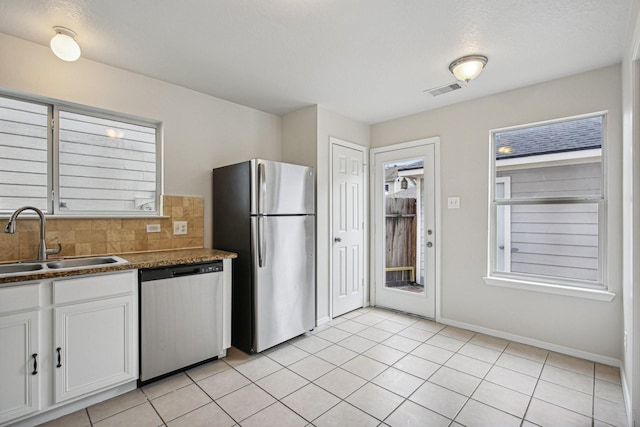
20	361
95	333
19	365
92	346
92	320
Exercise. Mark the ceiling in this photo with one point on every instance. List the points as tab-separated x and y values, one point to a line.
369	60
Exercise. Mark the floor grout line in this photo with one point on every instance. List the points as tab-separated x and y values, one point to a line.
333	337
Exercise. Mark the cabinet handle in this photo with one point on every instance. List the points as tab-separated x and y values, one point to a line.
35	364
59	365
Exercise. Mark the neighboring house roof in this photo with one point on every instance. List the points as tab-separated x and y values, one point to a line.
574	135
392	173
418	164
409	193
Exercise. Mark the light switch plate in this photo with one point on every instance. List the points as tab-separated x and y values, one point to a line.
453	203
180	227
153	228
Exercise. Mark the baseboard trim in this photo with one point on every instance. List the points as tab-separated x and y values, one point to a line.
65	409
605	360
626	392
323	320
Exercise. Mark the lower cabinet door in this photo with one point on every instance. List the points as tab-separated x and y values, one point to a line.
93	346
19	365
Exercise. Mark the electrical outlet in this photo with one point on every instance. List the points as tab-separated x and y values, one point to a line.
153	228
453	203
180	227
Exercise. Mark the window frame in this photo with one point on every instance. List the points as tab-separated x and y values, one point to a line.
575	287
53	143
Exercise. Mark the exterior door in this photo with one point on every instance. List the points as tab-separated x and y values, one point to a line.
404	227
348	225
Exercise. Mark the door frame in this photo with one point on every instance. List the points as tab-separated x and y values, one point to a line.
365	203
435	141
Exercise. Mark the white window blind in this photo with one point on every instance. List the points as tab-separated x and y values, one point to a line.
105	165
23	154
69	160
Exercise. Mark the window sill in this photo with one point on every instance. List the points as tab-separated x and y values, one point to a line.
593	294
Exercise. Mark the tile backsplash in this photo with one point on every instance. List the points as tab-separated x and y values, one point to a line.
81	237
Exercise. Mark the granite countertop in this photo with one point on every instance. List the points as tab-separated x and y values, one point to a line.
135	261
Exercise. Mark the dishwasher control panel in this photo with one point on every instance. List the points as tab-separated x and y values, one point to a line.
169	272
211	268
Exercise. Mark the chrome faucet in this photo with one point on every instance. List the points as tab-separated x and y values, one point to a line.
43	252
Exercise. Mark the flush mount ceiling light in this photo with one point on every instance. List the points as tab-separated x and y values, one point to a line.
64	44
468	67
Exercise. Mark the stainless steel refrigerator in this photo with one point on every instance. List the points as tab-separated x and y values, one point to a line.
265	212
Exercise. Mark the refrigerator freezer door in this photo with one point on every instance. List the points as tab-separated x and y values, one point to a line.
284	288
281	189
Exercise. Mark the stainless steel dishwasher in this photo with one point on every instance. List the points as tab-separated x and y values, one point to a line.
181	318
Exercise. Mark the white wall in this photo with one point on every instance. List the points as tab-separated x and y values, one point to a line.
200	131
631	216
330	124
300	136
299	146
592	327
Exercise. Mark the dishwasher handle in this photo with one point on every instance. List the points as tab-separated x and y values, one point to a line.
176	271
186	272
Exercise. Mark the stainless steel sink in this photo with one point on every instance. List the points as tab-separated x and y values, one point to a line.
19	268
83	262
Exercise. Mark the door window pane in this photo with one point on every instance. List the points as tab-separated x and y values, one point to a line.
404	225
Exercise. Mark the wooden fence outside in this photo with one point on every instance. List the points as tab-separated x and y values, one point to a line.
400	243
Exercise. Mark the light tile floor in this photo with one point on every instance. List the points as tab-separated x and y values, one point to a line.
373	367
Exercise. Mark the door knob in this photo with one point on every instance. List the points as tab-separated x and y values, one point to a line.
337	240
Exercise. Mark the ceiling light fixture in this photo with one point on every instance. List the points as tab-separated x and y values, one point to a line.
64	44
468	67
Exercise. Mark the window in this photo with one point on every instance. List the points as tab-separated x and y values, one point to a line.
547	203
69	161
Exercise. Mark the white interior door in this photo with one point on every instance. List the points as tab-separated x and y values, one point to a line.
404	227
348	227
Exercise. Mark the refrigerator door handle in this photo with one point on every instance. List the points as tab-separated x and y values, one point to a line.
262	187
262	248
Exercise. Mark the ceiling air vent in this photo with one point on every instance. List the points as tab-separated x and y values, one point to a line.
450	87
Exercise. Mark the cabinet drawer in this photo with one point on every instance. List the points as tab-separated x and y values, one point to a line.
91	287
17	298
